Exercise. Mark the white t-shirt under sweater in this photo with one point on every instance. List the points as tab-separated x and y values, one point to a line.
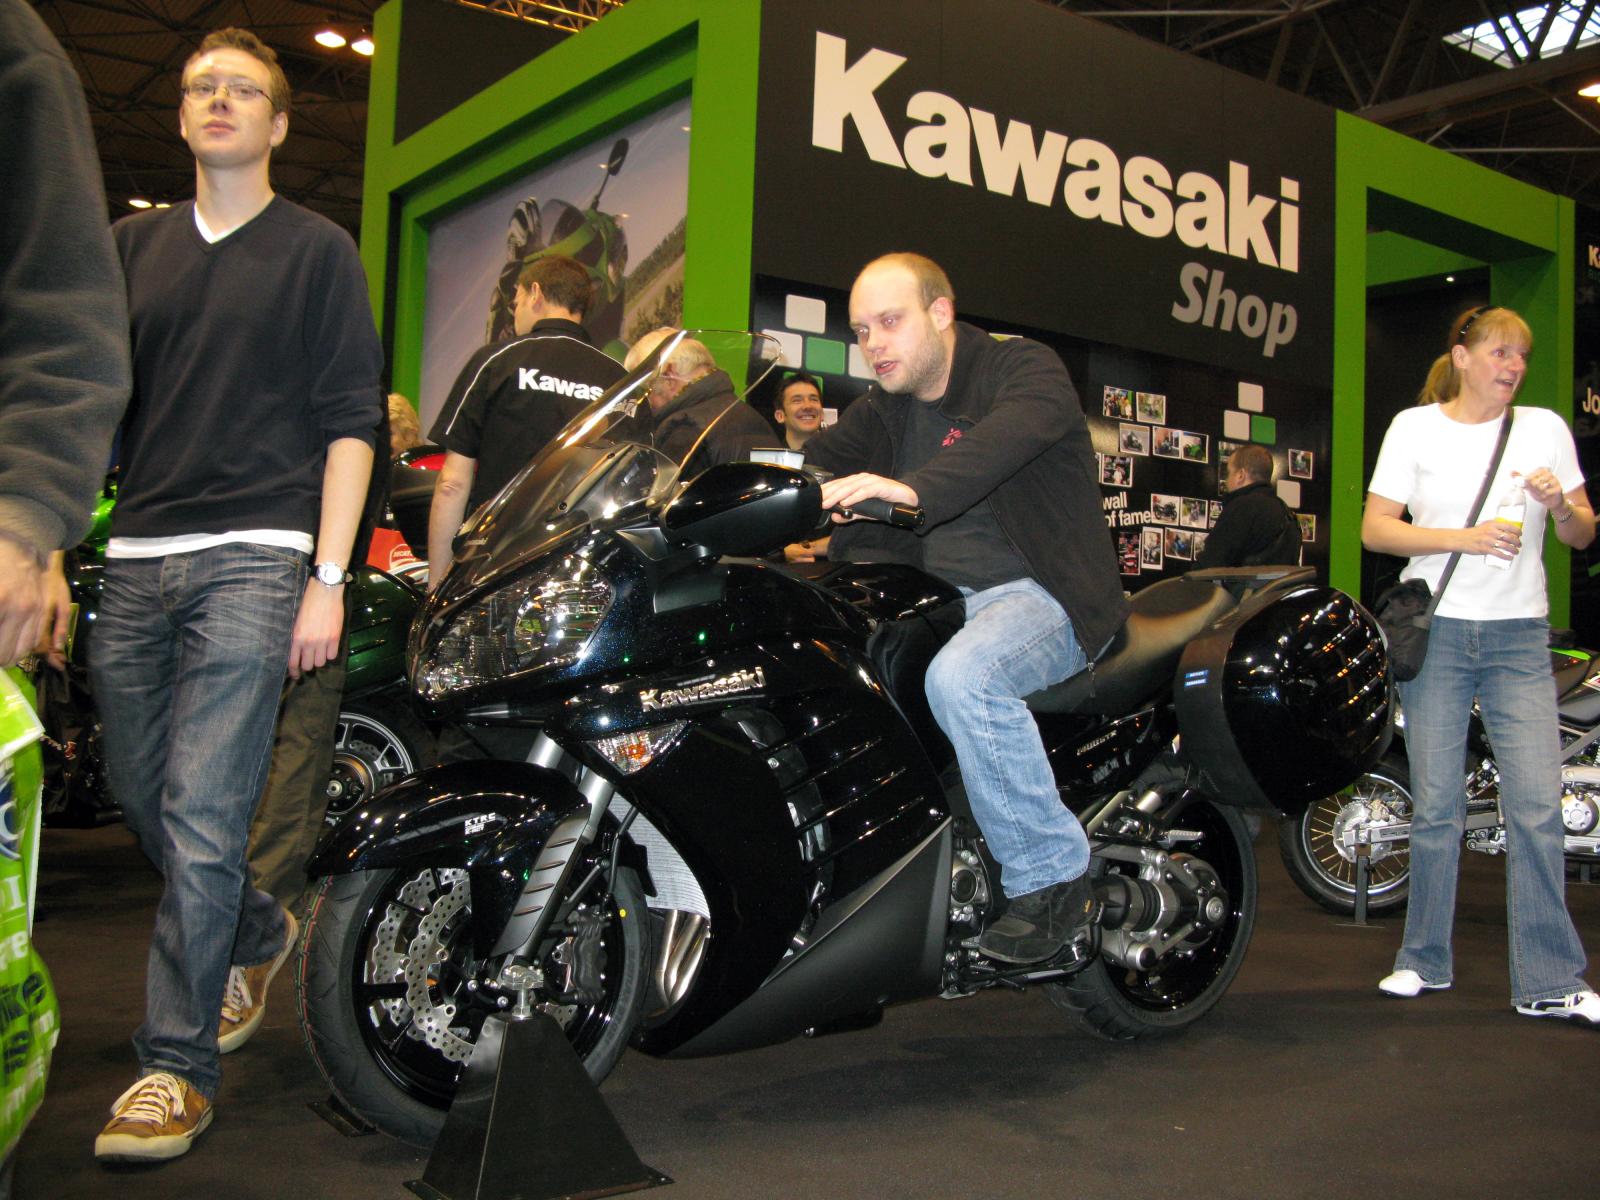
1434	466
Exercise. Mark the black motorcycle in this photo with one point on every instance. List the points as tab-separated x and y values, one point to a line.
739	821
1320	845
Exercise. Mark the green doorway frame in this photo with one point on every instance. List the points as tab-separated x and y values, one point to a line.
1390	184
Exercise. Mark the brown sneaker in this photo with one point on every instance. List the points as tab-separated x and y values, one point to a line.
157	1118
244	1002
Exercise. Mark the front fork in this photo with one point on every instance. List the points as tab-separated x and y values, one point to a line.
548	893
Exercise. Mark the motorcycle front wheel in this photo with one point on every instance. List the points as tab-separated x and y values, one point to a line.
1312	848
1122	1004
391	1000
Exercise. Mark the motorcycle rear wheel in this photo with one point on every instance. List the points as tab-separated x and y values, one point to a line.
390	1040
1121	1004
1310	849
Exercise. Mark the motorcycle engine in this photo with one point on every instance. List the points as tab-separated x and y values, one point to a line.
969	888
1580	801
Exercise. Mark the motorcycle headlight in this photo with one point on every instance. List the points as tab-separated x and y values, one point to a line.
541	621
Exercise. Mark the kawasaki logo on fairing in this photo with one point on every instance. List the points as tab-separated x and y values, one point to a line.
713	689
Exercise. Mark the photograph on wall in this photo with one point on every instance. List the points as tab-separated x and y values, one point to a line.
1152	408
1195	447
1213	511
618	206
1116	470
1117	403
1166	443
1128	551
1308	526
1133	439
1225	449
1178	543
1164	508
1199	544
1150	549
1300	464
1193	513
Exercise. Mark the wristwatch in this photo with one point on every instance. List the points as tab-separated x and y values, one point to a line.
331	574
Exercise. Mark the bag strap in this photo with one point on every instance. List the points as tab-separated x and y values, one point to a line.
1477	507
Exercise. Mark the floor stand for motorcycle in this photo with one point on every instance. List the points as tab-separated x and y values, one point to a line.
529	1124
1363	878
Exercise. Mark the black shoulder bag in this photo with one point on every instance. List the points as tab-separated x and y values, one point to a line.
1406	610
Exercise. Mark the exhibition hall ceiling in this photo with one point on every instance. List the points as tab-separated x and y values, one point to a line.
1387	60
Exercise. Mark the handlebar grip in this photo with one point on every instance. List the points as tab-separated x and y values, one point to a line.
901	516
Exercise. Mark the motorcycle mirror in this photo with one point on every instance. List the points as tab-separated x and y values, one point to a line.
619	155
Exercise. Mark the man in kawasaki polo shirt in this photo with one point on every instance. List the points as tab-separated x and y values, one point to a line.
512	397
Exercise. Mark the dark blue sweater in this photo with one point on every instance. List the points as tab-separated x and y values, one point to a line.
250	355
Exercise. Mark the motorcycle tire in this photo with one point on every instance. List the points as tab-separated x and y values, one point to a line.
1309	847
377	741
393	1062
1122	1004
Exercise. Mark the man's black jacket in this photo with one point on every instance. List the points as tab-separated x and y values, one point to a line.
1017	438
1256	528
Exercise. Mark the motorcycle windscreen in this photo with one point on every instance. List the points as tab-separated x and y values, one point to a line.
1283	702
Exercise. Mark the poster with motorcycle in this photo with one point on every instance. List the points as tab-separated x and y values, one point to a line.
618	206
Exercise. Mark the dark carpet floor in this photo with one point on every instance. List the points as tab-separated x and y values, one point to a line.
1303	1082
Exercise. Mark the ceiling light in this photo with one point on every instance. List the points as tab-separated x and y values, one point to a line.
163	204
331	38
1592	91
363	45
1449	278
138	202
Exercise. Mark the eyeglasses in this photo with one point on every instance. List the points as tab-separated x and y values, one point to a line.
205	89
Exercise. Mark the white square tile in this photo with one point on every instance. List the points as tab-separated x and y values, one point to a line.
1289	492
858	364
1250	396
805	312
1236	425
794	347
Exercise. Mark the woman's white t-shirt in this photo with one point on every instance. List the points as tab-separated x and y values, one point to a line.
1434	466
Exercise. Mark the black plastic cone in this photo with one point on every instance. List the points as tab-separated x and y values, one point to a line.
528	1124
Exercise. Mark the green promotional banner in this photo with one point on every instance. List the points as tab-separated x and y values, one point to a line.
29	1017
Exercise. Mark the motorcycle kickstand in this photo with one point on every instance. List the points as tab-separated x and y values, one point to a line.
1363	878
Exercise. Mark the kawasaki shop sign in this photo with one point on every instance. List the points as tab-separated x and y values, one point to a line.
1116	190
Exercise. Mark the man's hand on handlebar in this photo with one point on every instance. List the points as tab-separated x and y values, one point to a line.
843	494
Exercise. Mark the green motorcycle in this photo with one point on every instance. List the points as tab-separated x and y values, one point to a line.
378	739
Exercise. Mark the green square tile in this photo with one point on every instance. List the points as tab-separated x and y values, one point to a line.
1263	430
825	355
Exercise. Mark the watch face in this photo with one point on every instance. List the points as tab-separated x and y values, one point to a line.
330	574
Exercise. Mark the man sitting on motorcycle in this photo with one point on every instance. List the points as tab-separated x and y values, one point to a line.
989	438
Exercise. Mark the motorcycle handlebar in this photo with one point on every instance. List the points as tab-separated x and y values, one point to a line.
901	516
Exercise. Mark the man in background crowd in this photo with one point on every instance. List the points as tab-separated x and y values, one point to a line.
799	409
691	395
1256	527
512	397
246	456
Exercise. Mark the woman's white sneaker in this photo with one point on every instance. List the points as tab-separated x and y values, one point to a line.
1407	984
1582	1007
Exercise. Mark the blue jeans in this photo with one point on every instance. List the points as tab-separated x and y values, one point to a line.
189	656
1505	665
1017	640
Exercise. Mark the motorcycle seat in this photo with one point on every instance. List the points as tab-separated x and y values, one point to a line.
1165	617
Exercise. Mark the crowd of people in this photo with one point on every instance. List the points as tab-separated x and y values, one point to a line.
230	341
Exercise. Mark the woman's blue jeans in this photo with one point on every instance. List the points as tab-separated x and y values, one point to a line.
188	661
1016	640
1505	665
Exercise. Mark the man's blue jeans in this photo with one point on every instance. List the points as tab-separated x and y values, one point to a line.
189	656
1506	666
1016	640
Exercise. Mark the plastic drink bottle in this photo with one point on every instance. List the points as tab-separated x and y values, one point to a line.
1513	506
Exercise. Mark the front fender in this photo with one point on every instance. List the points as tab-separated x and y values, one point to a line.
491	819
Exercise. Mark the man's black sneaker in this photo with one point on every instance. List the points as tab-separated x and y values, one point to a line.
1040	924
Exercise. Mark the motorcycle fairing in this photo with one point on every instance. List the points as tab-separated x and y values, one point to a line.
493	819
379	627
881	944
